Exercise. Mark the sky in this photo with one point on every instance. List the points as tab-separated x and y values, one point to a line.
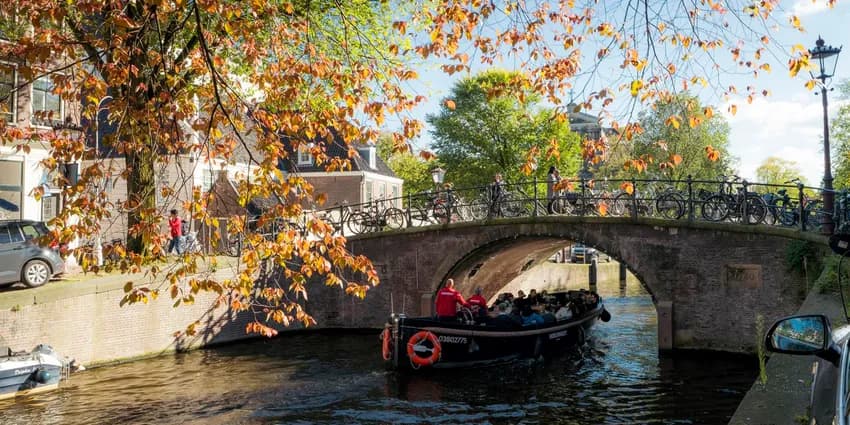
788	123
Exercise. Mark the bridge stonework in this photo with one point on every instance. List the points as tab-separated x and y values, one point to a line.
709	281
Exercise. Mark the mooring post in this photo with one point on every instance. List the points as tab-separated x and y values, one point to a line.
664	311
591	277
623	276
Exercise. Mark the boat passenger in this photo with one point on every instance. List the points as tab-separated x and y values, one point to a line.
447	300
533	298
505	319
520	301
563	312
478	303
531	318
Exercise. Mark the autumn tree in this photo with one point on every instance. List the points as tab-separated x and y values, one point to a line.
210	78
840	137
676	135
480	131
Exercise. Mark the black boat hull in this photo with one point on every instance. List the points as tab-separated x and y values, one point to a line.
426	343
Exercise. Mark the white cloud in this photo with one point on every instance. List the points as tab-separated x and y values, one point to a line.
809	7
791	130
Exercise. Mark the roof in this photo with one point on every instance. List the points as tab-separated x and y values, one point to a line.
338	149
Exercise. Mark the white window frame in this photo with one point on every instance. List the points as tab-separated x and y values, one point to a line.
304	155
32	103
14	93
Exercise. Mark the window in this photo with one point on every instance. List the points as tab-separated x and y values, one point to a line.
8	94
30	231
15	234
395	196
46	105
368	190
4	235
304	156
49	207
10	189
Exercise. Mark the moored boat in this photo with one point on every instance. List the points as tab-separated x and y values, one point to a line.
426	342
29	372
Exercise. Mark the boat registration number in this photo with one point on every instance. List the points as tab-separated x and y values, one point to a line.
452	339
557	335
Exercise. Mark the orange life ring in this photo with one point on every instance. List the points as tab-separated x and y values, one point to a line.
415	340
385	348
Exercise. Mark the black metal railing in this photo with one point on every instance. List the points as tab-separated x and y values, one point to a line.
731	199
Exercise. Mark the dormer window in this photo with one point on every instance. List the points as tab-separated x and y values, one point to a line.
46	105
369	153
304	156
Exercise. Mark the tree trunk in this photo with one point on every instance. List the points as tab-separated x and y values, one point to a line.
141	190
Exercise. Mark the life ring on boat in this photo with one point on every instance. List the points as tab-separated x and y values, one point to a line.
415	342
385	345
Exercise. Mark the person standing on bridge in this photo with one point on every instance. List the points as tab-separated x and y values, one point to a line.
497	193
447	300
552	180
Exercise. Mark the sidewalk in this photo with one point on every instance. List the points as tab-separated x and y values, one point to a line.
78	284
784	399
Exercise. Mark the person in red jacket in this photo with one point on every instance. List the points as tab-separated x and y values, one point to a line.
176	228
478	303
447	300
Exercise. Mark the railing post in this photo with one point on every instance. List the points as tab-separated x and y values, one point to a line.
583	199
801	207
634	199
341	222
534	181
450	204
690	198
745	210
409	206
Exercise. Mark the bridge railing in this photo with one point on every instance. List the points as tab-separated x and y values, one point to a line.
727	200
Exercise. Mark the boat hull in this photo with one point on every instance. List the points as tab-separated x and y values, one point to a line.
29	373
426	343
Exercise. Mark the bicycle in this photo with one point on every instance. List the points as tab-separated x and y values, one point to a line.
375	218
748	206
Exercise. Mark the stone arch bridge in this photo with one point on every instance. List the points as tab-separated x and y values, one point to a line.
708	280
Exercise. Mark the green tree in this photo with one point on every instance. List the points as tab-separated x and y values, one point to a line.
482	130
407	165
778	171
840	139
677	135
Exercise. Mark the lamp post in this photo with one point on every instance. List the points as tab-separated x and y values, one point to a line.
827	59
98	242
437	175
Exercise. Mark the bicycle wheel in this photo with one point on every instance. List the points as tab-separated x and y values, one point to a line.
814	215
787	215
394	218
561	206
670	205
479	209
755	209
622	205
440	213
358	223
715	208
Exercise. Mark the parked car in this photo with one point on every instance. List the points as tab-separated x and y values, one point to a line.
813	335
23	258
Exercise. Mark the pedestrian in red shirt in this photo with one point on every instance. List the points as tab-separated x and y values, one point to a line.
175	226
478	303
447	300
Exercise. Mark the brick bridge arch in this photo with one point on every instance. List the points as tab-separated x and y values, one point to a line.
707	280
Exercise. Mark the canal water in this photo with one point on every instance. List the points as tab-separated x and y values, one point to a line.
318	378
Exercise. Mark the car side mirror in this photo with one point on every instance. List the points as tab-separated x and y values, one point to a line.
802	335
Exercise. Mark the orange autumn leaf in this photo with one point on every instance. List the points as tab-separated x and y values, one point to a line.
676	159
603	209
627	187
450	104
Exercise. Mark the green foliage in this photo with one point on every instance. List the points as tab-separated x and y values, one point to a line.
415	171
840	140
827	281
661	141
760	348
480	132
802	257
776	170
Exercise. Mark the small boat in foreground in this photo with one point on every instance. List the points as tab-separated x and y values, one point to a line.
426	342
31	372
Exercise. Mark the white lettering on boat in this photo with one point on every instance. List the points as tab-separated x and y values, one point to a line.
556	335
452	339
23	372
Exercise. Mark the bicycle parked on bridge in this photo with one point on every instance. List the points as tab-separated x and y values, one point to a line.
376	217
747	206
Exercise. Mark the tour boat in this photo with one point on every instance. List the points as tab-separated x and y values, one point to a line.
29	372
426	342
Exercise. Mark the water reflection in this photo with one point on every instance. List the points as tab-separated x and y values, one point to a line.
335	379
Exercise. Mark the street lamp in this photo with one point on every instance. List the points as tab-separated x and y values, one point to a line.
438	174
98	243
827	59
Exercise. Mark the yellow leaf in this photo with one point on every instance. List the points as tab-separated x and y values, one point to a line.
733	109
673	120
627	187
795	22
450	104
635	87
811	84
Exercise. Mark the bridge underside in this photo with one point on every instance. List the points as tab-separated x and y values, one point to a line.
709	281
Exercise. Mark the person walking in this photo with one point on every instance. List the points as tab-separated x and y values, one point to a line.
176	227
552	180
497	193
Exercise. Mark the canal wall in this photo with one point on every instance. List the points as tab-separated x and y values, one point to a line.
85	321
555	277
